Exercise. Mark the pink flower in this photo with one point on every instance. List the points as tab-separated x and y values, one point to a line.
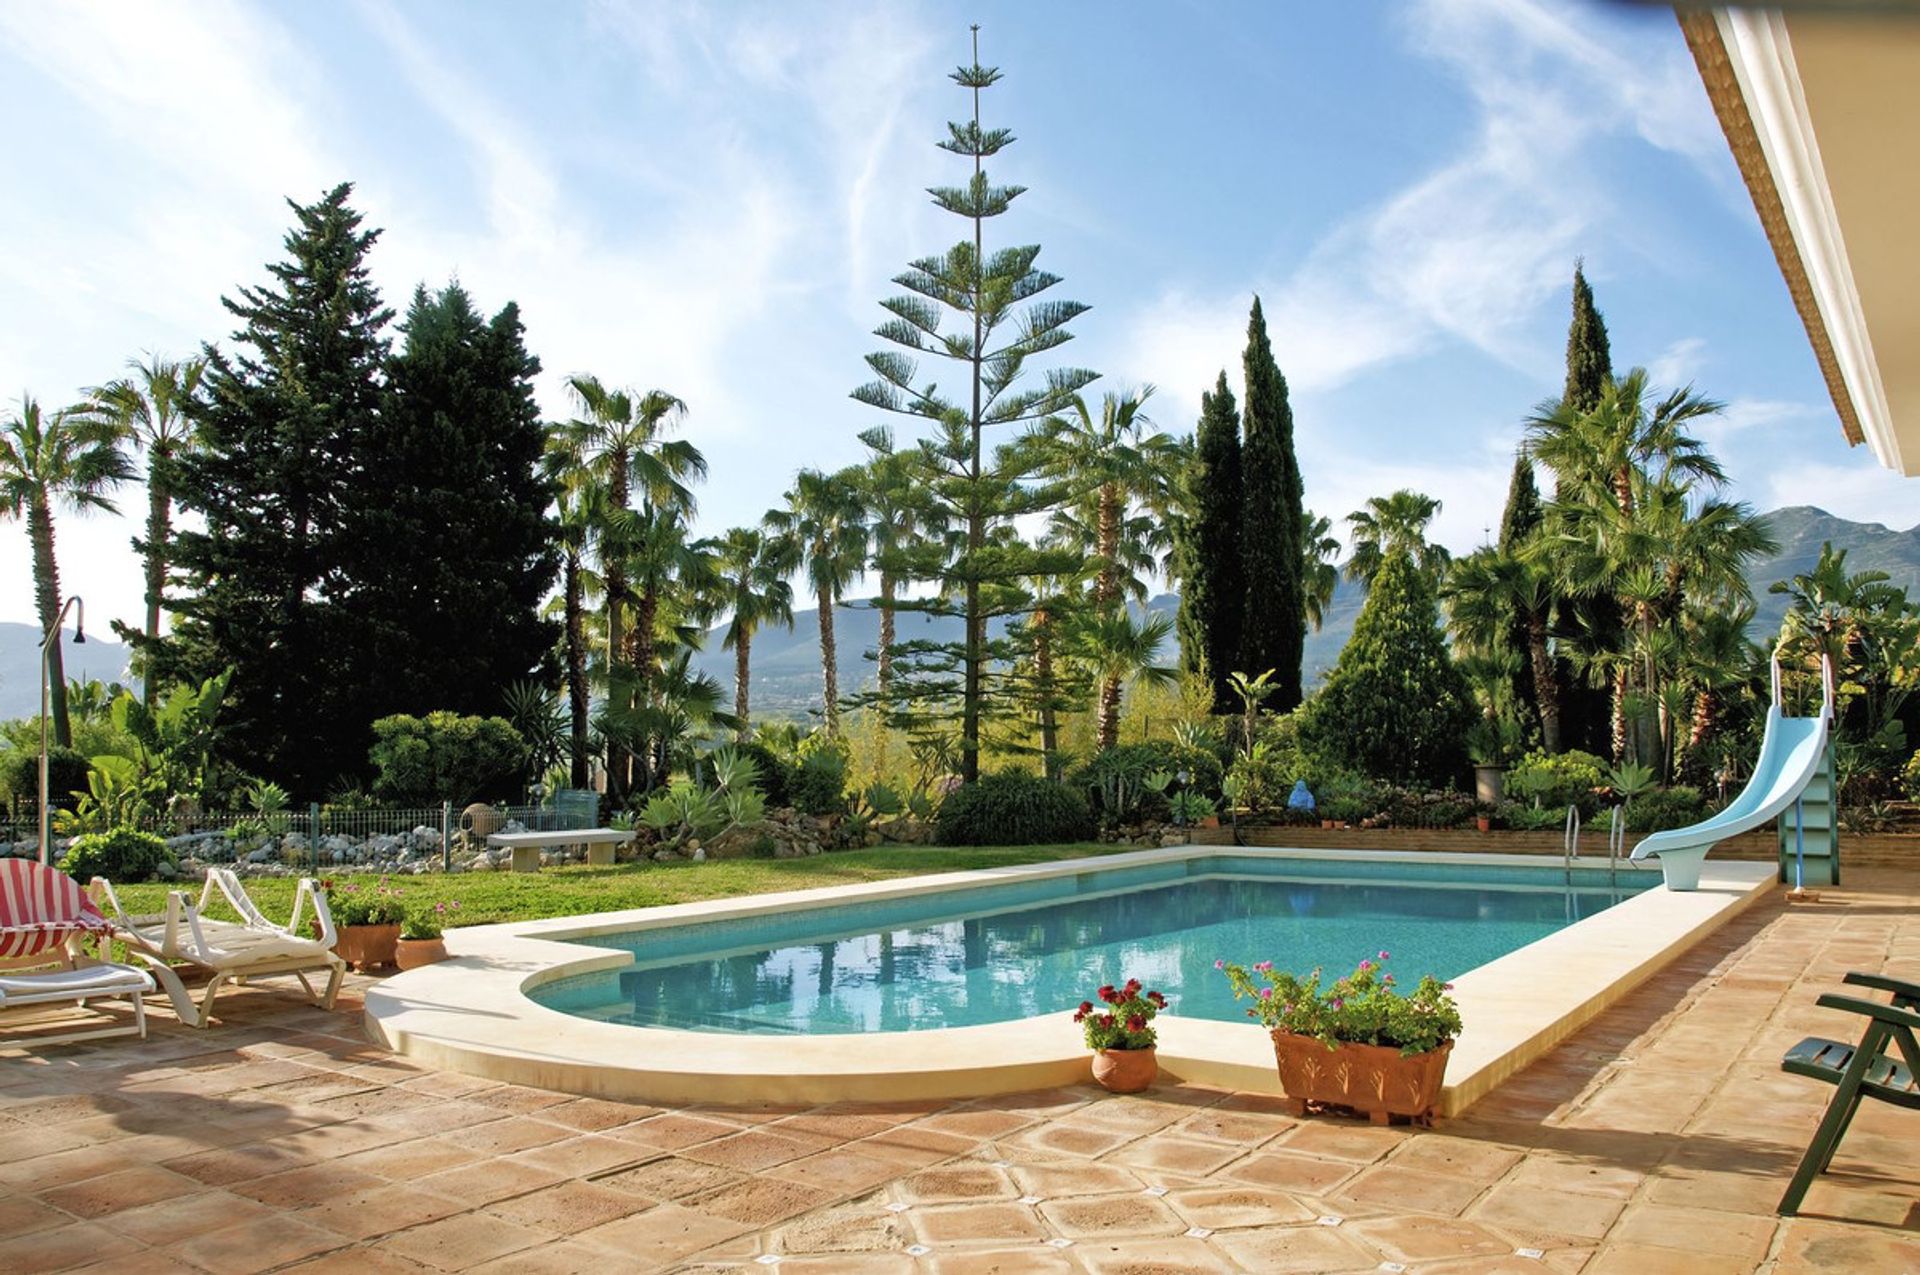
1264	966
1383	954
1219	965
1365	966
1337	1003
1446	987
1266	993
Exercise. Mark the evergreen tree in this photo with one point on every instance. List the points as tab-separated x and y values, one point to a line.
1587	710
453	548
980	574
1589	358
1274	627
282	421
1518	522
1212	588
1395	707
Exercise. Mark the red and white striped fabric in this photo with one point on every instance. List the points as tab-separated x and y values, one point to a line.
41	908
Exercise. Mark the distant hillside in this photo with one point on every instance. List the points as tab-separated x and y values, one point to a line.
786	665
101	659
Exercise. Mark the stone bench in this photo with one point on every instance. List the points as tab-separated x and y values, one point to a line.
526	846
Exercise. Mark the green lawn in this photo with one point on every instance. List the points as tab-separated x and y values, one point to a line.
510	896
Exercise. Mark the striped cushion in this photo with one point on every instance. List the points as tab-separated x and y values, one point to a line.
41	908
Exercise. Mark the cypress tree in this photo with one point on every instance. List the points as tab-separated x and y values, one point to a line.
1518	522
283	418
1395	707
452	550
1212	587
1589	358
1586	711
1274	624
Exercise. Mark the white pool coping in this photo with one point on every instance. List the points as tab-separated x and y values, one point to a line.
471	1013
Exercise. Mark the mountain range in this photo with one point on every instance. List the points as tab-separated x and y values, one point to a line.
786	663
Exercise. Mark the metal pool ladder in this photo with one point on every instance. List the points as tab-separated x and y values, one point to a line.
1570	843
1616	844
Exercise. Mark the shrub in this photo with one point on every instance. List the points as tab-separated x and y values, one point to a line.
774	775
1558	780
429	921
1013	810
353	905
1663	808
1910	777
444	756
67	771
820	783
124	854
1438	809
1115	781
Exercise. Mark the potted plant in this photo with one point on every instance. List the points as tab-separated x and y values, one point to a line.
1122	1036
1358	1043
368	922
421	941
1492	741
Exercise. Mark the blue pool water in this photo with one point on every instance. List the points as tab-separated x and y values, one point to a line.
1007	952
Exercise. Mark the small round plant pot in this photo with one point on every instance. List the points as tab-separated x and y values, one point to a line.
411	954
1125	1070
366	947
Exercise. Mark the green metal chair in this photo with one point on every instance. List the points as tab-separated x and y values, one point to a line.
1864	1070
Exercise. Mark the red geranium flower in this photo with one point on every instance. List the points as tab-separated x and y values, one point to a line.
1136	1023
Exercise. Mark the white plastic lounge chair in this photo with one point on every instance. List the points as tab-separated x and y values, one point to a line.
44	919
252	947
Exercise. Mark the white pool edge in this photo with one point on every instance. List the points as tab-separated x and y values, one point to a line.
471	1014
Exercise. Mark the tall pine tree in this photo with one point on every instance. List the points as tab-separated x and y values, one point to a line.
983	571
1589	357
453	547
284	416
1274	626
1212	589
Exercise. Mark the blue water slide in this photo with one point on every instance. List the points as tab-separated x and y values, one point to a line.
1792	752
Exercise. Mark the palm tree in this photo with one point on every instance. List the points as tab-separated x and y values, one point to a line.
581	513
1119	651
622	441
753	569
71	458
899	517
1626	435
150	407
1394	523
1484	592
1319	566
825	530
1106	468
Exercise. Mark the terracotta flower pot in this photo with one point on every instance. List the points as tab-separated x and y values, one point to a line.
1484	823
366	946
1372	1079
411	954
1209	821
1125	1070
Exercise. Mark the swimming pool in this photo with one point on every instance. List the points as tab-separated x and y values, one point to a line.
484	1012
990	956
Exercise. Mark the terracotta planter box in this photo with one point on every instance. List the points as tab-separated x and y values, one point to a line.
1372	1079
411	954
366	946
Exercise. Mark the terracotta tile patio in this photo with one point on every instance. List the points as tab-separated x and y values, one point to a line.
1657	1139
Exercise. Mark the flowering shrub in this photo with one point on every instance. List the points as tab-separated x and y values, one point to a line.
1363	1008
1126	1023
429	923
352	905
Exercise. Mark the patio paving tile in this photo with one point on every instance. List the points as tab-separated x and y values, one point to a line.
464	1241
1660	1135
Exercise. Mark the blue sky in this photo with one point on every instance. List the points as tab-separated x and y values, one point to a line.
711	198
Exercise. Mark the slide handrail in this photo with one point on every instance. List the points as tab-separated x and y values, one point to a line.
1826	680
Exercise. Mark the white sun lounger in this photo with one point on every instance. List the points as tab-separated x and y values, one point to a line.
44	920
252	947
79	983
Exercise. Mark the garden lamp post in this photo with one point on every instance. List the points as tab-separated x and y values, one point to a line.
1180	811
51	636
